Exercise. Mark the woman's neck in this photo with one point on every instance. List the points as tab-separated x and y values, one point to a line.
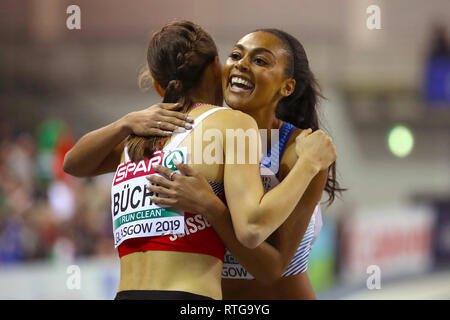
198	97
265	118
208	90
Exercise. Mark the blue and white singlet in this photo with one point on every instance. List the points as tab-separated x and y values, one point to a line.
231	267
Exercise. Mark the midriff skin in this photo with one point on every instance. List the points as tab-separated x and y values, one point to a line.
171	270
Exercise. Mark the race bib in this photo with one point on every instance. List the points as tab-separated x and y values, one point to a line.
134	215
233	270
268	178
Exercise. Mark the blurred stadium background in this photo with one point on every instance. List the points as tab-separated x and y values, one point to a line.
387	109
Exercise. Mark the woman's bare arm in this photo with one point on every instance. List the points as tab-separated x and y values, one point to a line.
288	236
267	262
99	151
255	214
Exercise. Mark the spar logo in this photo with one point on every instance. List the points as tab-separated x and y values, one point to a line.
176	155
130	170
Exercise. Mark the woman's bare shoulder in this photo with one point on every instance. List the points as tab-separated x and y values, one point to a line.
228	118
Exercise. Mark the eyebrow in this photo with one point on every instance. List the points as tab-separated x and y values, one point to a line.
256	50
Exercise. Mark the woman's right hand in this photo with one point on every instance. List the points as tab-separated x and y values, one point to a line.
158	120
316	147
189	191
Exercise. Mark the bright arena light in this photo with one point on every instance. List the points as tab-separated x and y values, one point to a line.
400	141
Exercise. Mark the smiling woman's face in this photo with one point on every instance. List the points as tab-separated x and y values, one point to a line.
254	75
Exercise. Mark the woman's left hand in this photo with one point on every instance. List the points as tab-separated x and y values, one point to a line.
189	191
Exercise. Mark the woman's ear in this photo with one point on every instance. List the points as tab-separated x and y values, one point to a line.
288	87
158	88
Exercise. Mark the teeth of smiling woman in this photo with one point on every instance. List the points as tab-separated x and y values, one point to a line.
235	80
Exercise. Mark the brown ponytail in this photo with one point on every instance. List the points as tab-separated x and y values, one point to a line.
177	56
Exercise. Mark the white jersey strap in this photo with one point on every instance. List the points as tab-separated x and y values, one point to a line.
177	138
125	151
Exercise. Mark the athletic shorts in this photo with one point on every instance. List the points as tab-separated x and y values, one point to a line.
158	295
